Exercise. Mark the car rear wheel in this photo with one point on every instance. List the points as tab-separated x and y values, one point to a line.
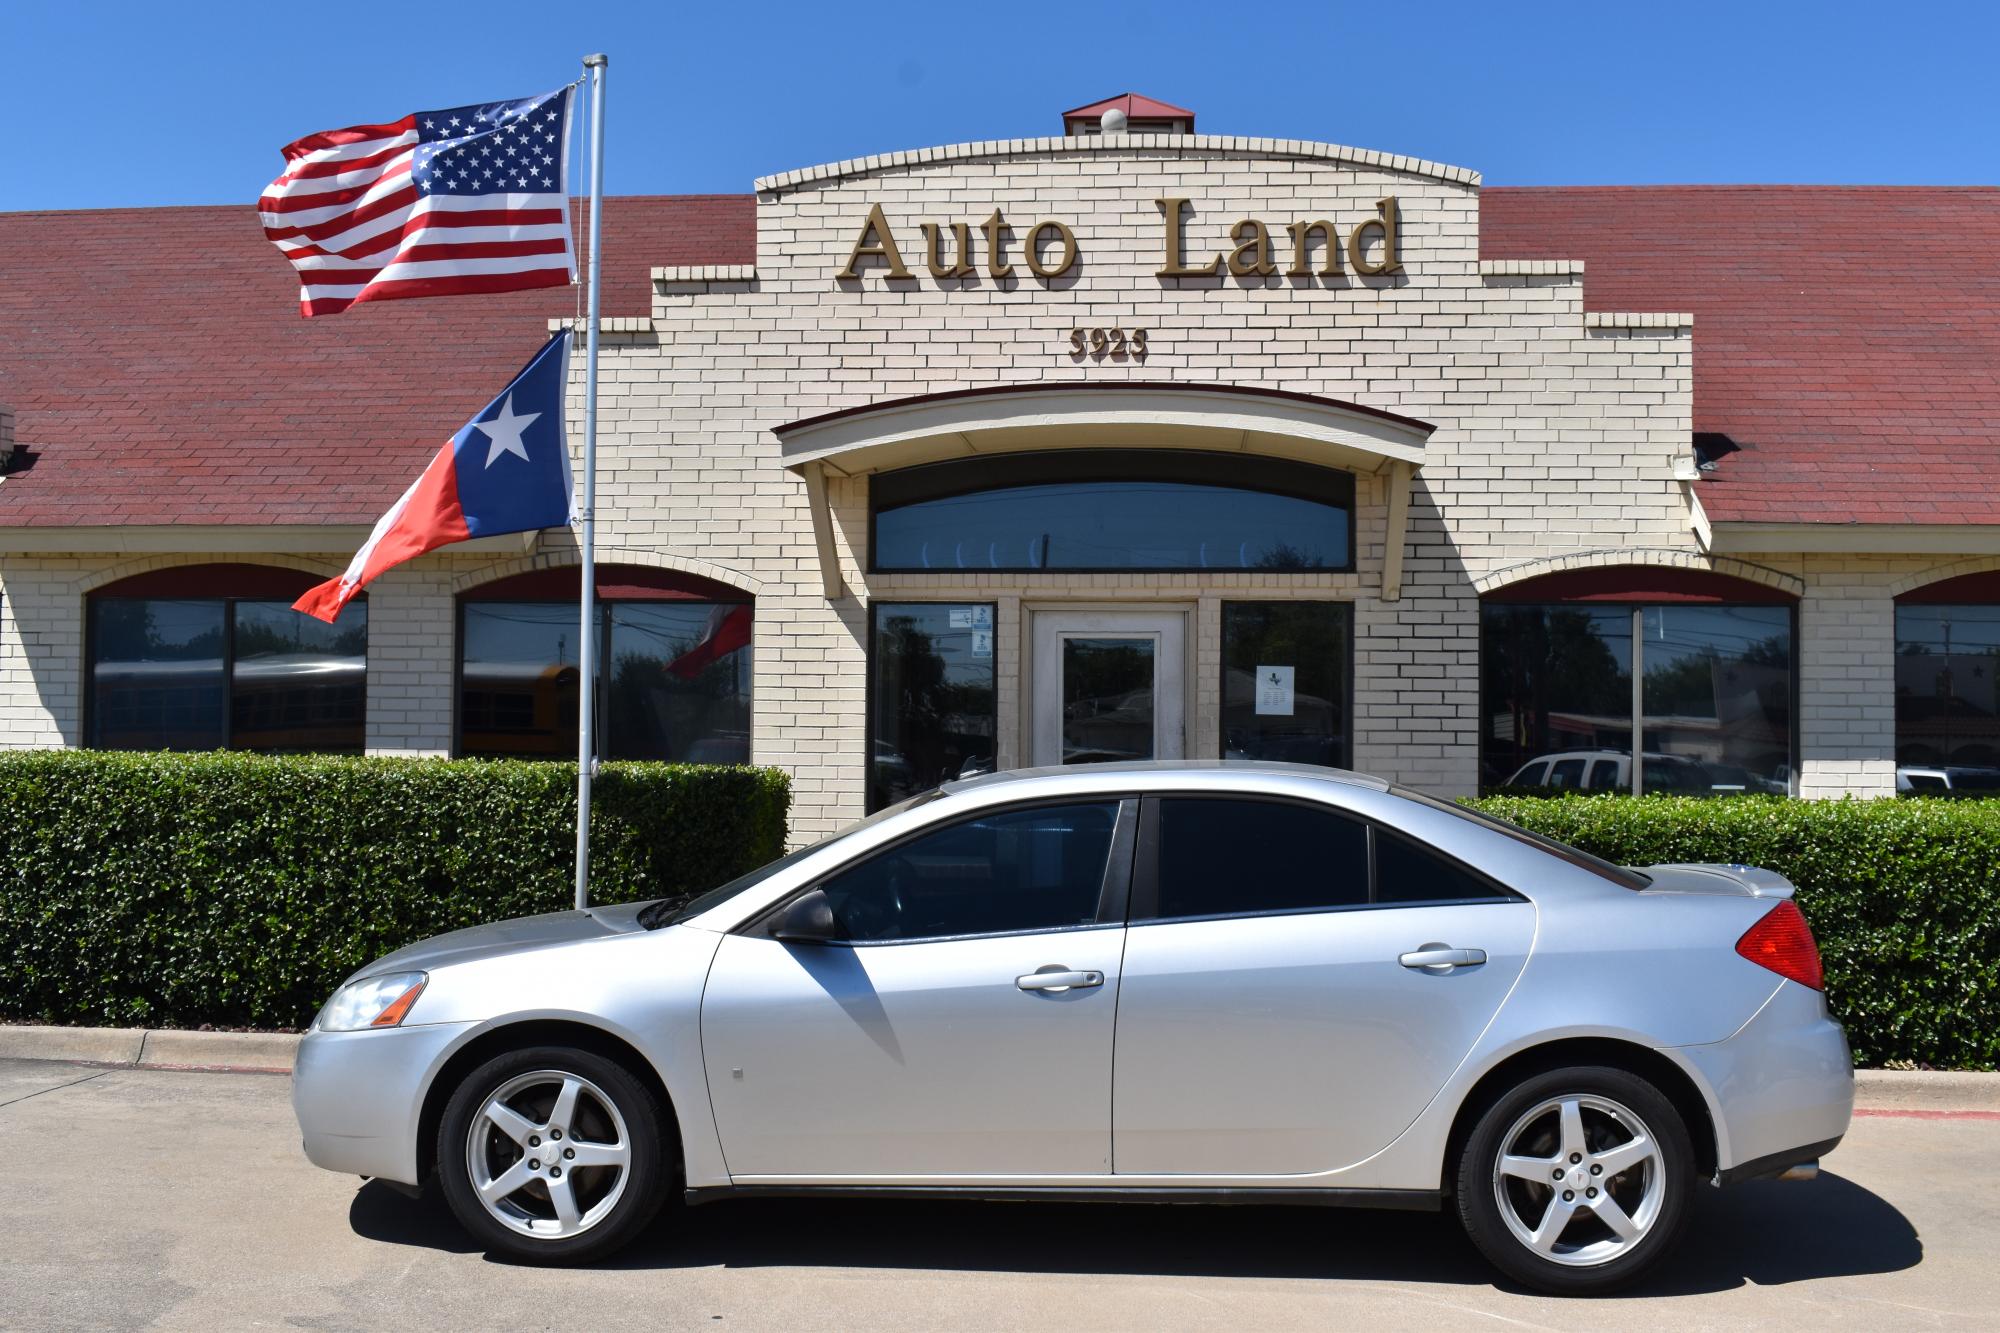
1576	1181
552	1155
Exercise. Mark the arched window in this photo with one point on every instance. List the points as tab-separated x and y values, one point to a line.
1113	509
1712	711
1948	686
674	666
209	657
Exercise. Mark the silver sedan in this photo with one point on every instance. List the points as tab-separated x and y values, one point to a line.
1170	982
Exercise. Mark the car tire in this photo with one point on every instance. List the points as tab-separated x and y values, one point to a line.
1627	1169
578	1139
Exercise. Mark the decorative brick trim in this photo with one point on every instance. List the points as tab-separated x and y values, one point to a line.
1653	556
1977	565
606	324
1136	145
684	273
1600	319
609	555
146	564
1531	268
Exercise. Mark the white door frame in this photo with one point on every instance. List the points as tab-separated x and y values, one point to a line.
1170	625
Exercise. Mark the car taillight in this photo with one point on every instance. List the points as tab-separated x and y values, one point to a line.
1783	942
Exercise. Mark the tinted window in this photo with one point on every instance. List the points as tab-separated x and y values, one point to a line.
1408	873
1532	775
1553	678
1566	773
1948	693
932	696
1284	681
1012	870
1113	509
1223	857
1604	775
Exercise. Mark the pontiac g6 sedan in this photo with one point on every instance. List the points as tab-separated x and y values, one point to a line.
1166	982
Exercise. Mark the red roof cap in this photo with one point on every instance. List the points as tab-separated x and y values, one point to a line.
1137	106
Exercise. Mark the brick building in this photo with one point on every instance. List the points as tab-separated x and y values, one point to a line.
1040	450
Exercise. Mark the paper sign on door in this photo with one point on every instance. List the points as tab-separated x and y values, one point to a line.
1274	690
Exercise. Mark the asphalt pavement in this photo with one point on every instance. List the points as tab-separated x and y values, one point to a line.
142	1198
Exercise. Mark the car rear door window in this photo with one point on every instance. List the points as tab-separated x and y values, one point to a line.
1220	856
1032	868
1566	773
1604	775
1408	874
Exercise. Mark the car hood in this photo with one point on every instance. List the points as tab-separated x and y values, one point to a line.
519	935
1729	880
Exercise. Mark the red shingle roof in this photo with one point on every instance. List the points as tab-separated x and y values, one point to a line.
1846	338
158	366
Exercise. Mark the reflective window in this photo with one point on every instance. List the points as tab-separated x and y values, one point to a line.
1285	681
1219	856
225	673
1113	509
1012	870
1948	697
1557	680
1107	698
1407	873
674	680
932	696
1716	697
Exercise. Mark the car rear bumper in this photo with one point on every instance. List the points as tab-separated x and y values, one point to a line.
1783	1086
358	1096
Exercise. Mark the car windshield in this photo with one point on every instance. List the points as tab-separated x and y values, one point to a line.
671	911
1623	876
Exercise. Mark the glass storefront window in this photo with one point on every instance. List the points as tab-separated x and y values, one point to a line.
932	696
1948	697
225	673
1557	686
674	682
1716	687
1285	687
1113	510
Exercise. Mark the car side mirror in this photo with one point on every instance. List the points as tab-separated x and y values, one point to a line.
808	920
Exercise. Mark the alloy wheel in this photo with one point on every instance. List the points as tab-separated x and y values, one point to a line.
1580	1180
548	1154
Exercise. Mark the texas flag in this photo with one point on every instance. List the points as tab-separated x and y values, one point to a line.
507	470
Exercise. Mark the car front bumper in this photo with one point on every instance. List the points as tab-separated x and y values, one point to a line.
1783	1085
359	1096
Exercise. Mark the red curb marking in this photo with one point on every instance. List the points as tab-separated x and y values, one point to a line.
1929	1115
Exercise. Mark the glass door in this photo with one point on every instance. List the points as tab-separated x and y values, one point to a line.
1107	686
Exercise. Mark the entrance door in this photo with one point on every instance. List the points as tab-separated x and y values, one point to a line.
1108	685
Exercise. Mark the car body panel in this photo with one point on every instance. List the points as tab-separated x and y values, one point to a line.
911	1060
1235	1037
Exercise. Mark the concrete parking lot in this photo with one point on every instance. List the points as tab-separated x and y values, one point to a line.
150	1198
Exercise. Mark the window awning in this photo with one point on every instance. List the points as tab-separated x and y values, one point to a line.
930	428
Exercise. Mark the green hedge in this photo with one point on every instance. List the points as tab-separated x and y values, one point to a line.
230	889
1903	896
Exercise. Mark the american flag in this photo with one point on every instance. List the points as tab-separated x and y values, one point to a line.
439	203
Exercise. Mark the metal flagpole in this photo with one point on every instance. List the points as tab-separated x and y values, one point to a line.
586	657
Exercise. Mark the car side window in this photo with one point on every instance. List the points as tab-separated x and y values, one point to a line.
1407	874
1566	773
1604	775
1036	868
1533	775
1218	856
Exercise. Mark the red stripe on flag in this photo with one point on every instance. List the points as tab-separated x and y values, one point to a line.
313	143
428	220
319	231
305	203
470	284
441	251
337	166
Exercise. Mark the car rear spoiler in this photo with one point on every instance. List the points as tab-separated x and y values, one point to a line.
1728	880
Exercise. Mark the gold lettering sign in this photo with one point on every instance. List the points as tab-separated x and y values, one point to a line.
1373	247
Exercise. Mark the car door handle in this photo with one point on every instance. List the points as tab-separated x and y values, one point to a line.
1059	981
1441	958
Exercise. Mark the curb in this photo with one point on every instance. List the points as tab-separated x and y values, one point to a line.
1876	1091
154	1048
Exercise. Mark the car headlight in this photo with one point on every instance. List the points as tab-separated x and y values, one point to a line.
373	1002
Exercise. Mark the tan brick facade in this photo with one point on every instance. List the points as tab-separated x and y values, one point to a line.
1561	439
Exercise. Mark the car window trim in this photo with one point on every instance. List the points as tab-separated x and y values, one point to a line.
1113	893
1145	898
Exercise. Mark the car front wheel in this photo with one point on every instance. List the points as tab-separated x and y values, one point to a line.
1576	1181
552	1155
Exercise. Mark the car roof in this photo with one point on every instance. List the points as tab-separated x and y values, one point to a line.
1143	767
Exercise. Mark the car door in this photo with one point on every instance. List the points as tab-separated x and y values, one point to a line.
1269	1023
929	1043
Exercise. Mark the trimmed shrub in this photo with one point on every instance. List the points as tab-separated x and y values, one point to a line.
236	889
1903	896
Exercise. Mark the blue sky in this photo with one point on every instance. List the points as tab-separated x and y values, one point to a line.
188	101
